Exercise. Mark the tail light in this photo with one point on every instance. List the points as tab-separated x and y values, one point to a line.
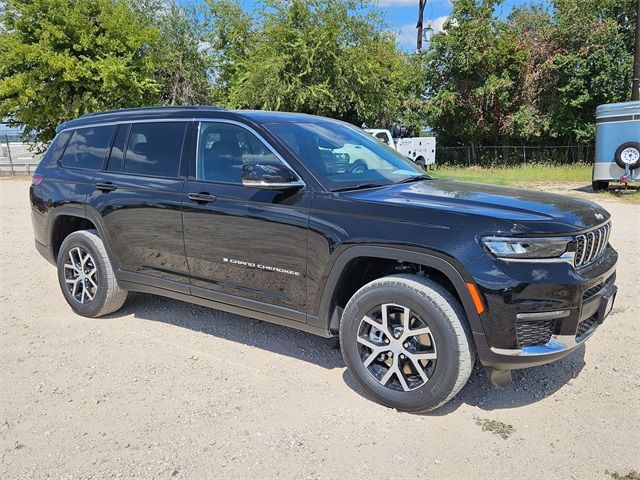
37	179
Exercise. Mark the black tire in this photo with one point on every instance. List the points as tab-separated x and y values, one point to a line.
434	306
599	185
623	149
421	163
107	296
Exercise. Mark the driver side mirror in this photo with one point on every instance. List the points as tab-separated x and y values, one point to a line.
269	175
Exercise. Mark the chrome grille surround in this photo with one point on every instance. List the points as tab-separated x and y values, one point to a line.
590	245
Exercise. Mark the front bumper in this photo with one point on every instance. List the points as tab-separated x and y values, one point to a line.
567	312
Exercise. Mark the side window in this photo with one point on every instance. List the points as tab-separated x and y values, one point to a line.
116	158
88	148
155	148
54	150
382	136
224	148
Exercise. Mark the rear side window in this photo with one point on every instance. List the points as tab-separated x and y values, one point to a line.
88	148
57	146
155	148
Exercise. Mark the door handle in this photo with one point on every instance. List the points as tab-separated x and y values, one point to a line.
106	187
202	197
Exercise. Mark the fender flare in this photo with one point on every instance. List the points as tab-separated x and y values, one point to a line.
447	266
81	211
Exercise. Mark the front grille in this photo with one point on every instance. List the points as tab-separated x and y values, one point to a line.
590	245
586	326
537	332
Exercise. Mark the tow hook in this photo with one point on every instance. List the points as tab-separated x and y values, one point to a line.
498	378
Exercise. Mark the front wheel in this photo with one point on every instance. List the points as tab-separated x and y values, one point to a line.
86	276
405	340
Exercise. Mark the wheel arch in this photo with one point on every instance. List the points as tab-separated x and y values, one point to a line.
66	220
455	274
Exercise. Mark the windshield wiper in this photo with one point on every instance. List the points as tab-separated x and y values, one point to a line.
415	178
358	187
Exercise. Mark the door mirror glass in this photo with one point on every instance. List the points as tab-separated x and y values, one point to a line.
269	175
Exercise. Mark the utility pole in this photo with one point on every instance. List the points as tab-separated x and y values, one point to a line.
635	85
421	6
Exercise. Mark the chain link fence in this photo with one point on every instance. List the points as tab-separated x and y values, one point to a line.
16	156
510	155
19	158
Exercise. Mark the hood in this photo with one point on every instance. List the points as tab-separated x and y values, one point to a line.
529	211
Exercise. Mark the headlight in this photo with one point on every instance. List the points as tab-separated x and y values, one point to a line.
528	248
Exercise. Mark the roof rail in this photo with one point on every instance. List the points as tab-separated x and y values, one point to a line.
147	109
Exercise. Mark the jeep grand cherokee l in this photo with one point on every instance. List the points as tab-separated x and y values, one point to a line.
263	214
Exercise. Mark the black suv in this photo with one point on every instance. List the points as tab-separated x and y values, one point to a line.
314	224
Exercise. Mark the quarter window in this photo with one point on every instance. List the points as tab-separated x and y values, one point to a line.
88	148
155	148
57	146
223	149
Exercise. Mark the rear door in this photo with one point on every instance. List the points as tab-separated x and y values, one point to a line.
245	246
138	197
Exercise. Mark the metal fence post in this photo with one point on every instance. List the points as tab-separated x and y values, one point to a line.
9	153
524	151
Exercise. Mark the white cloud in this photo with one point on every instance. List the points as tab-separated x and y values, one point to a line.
407	34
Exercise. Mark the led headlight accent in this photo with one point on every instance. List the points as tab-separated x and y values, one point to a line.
526	248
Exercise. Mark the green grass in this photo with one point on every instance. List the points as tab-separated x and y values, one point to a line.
631	475
517	175
496	426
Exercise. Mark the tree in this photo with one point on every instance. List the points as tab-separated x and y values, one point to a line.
593	63
328	58
537	76
474	74
181	56
60	59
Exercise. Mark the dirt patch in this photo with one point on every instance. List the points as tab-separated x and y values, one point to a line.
165	389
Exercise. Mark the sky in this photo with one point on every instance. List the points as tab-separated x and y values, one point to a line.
402	15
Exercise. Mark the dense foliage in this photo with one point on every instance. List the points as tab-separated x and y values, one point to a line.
62	58
534	77
324	57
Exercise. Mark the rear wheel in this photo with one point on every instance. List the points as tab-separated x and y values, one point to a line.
86	276
421	163
406	342
599	185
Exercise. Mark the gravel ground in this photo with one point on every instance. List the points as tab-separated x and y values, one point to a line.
164	389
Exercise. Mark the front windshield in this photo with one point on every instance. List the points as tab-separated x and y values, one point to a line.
342	156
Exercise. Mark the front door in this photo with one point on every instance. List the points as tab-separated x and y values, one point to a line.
245	246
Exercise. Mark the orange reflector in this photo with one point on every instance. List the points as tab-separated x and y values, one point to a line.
477	301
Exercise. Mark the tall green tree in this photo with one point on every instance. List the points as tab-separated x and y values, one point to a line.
181	55
473	75
537	76
62	58
329	58
592	65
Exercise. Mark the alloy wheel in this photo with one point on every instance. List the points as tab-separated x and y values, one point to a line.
81	275
397	347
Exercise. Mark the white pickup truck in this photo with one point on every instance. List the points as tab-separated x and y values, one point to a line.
422	150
